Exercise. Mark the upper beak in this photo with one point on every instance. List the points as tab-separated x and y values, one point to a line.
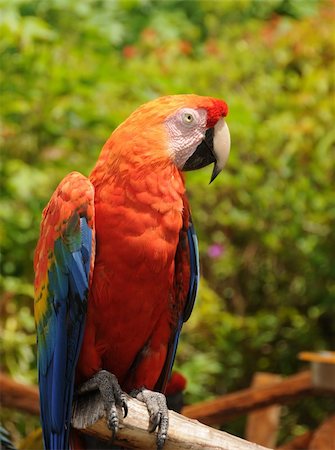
214	148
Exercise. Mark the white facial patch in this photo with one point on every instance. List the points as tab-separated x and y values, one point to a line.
186	129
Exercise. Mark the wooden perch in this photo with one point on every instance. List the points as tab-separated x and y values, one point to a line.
191	434
221	409
184	433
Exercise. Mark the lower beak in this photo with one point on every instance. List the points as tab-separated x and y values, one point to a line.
214	148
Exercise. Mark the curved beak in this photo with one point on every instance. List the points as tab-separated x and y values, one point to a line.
214	148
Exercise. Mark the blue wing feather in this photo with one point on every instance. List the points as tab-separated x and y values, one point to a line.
68	286
192	244
195	271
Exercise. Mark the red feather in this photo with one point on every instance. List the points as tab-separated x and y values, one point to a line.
130	314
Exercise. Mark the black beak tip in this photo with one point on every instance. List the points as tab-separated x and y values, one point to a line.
215	172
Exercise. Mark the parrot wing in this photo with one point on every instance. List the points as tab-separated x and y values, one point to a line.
63	267
186	282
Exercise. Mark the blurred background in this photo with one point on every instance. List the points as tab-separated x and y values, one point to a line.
72	71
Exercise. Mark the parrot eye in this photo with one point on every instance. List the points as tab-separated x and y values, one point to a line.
188	118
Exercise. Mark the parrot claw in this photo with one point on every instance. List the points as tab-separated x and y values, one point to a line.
158	413
111	394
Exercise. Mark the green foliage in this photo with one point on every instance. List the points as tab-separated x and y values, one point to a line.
72	71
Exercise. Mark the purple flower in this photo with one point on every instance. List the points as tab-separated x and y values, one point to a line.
215	251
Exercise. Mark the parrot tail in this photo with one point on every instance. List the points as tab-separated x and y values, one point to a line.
5	442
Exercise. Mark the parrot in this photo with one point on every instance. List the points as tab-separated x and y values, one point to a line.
174	391
5	442
117	265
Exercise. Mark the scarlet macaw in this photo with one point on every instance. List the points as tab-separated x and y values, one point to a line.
117	263
5	442
174	391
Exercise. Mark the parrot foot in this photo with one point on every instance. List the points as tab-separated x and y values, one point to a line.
111	394
158	413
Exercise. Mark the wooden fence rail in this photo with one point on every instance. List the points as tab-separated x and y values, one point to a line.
19	396
226	407
217	411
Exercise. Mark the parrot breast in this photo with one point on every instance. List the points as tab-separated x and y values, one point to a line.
129	317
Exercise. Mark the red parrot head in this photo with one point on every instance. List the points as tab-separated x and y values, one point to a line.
200	136
189	129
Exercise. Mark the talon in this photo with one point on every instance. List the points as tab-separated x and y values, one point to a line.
113	422
161	437
158	413
111	394
155	421
125	408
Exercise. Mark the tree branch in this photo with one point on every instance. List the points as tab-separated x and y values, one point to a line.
184	433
